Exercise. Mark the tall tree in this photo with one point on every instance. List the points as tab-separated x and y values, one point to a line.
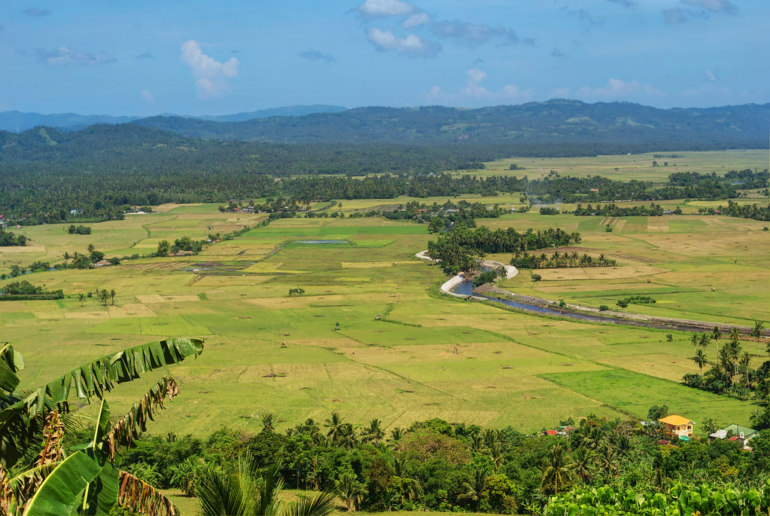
558	470
700	359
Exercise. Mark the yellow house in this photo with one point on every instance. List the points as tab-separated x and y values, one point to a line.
677	425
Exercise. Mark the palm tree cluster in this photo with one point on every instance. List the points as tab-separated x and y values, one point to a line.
595	452
731	372
245	489
558	260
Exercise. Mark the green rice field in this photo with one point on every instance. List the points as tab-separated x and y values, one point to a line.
429	355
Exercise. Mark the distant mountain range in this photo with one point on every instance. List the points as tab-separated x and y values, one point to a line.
16	121
554	121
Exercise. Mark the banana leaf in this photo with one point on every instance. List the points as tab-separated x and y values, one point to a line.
62	491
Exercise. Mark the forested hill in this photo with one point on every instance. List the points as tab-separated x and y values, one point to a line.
129	148
555	121
16	121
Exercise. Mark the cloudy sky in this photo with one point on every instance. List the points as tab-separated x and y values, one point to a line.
215	57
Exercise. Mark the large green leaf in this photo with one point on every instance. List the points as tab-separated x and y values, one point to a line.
61	492
10	362
102	493
19	417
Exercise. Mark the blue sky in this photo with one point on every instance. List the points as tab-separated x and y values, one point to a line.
216	57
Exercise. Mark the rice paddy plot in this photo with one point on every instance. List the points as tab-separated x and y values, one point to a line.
634	392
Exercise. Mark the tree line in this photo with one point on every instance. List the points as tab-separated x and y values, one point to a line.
457	249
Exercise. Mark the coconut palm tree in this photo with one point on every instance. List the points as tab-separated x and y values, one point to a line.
396	434
583	460
349	489
81	298
705	340
557	471
735	334
474	488
374	432
757	332
695	339
246	491
745	362
607	458
477	443
268	423
700	359
335	425
716	333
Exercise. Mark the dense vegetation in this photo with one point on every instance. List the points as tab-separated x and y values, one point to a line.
746	211
438	466
612	210
24	290
458	249
731	372
562	121
524	260
79	230
8	239
105	170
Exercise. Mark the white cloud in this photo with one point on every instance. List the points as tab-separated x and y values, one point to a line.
385	8
561	92
616	88
148	97
211	75
65	56
416	20
474	90
709	76
412	45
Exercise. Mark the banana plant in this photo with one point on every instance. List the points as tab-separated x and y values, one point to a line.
679	500
37	477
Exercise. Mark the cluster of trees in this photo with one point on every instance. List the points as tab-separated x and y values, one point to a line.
79	230
640	300
524	260
547	210
731	373
747	179
86	261
612	210
733	209
24	290
447	214
457	249
433	465
180	244
8	239
36	191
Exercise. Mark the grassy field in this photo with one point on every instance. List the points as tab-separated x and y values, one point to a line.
428	356
632	166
